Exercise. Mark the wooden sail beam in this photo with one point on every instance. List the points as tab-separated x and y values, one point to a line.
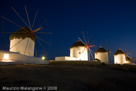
20	16
28	18
34	18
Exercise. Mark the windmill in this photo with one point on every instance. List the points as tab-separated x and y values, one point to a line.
131	58
88	45
27	29
103	54
125	51
121	57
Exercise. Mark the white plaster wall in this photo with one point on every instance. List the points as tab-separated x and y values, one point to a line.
16	57
59	58
103	56
119	59
21	46
83	55
65	58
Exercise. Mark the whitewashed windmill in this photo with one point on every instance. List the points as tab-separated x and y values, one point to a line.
126	54
23	40
101	54
88	45
131	58
121	56
78	50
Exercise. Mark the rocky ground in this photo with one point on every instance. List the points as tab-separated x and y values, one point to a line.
68	77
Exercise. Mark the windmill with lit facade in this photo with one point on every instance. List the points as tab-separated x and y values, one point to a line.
88	46
27	35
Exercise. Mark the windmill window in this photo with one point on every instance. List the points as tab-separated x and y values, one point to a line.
79	52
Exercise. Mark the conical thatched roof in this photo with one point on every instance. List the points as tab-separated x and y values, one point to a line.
100	49
118	52
23	33
78	43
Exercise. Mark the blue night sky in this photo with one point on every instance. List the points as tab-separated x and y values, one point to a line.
113	20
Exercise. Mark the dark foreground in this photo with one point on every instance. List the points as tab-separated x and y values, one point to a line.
70	77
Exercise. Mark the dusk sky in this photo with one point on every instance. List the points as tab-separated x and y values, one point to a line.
113	20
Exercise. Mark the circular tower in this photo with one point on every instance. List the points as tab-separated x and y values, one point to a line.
79	50
22	41
119	57
101	54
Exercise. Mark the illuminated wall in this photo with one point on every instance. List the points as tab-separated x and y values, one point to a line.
119	59
79	52
16	57
65	58
21	46
102	56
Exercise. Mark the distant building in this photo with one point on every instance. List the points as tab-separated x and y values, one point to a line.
101	54
119	57
78	51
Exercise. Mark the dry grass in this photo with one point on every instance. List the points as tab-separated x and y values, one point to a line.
71	77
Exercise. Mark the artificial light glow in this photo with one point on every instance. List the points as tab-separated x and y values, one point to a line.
6	60
43	58
6	56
